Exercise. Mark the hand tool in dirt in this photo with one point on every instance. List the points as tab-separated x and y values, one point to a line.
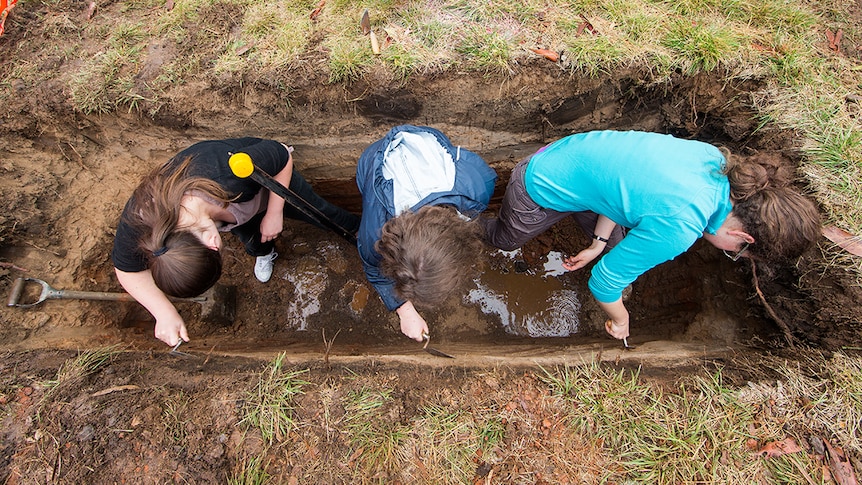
365	24
176	352
626	344
243	167
218	304
432	350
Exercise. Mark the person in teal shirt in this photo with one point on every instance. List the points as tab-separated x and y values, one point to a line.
646	198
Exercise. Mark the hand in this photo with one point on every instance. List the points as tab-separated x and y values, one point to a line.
271	226
616	329
581	259
412	324
171	330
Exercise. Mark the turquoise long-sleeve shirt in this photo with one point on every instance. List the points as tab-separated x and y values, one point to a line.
667	191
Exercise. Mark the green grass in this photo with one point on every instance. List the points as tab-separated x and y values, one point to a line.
251	471
373	441
269	406
175	410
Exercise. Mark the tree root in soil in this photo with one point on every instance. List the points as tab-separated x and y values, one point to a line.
781	323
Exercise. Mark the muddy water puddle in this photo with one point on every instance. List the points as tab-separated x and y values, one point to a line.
528	303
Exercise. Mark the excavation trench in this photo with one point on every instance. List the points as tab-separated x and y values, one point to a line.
318	304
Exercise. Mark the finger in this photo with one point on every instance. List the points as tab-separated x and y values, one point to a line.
184	334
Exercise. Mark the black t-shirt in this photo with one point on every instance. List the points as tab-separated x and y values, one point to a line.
209	159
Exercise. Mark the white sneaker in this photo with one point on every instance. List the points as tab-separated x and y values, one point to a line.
263	266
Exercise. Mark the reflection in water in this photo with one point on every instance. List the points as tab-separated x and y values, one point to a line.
528	304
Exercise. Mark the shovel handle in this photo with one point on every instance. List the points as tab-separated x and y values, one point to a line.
15	294
49	293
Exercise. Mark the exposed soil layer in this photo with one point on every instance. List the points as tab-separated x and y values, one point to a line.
67	177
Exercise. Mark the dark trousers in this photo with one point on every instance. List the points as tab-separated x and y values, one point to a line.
249	233
521	219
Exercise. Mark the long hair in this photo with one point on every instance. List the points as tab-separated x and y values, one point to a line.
429	254
783	222
181	265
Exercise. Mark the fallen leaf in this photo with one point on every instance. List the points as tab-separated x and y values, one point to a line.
778	448
91	10
353	456
244	48
839	465
586	25
316	11
835	42
763	48
547	54
846	241
113	389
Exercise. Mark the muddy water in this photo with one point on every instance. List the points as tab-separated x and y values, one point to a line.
529	303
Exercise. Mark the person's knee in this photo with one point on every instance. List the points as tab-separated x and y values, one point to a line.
502	243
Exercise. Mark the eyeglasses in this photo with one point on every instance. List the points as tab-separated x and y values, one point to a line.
735	256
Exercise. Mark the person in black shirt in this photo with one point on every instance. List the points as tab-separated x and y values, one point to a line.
168	239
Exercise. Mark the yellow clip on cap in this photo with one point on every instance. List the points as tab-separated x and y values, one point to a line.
241	165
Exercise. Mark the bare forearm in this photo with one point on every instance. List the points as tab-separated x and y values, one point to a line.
144	290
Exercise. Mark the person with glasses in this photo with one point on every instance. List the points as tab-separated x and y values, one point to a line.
645	198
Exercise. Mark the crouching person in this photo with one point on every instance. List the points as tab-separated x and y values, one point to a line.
419	239
168	242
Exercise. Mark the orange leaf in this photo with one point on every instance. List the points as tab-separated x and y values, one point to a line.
778	448
547	54
846	241
316	11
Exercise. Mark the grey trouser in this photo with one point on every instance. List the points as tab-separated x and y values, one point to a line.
521	219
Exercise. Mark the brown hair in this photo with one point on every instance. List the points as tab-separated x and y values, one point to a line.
430	253
182	265
783	222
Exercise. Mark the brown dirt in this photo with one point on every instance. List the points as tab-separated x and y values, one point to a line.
66	176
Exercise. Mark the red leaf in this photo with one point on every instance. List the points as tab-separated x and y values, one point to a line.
778	448
846	241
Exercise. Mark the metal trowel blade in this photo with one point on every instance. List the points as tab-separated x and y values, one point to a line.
438	353
432	350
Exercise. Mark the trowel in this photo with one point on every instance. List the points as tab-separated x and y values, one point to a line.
365	25
432	350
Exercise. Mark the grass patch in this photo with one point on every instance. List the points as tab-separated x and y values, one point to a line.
373	439
269	406
250	471
174	411
73	371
